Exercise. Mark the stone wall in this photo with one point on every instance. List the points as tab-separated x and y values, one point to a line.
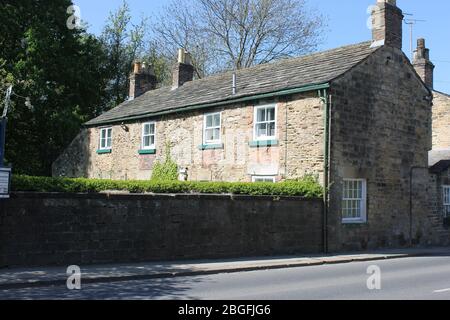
380	129
65	229
299	133
441	228
441	121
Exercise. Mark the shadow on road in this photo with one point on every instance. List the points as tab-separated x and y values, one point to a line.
167	288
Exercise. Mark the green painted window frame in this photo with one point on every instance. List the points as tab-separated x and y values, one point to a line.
147	151
219	146
104	151
264	143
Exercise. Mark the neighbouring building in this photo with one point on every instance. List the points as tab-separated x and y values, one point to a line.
361	118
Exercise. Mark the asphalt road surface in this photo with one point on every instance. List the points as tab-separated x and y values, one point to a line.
400	279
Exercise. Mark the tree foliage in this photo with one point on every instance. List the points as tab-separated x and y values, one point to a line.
166	170
61	70
125	42
236	34
71	76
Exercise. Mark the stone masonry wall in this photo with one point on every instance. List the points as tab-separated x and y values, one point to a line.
66	229
436	194
299	133
381	128
441	120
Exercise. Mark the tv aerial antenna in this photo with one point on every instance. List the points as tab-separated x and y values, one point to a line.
411	22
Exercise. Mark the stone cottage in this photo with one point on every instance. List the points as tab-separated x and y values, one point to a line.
439	156
359	117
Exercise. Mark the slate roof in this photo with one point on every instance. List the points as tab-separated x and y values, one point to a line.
318	68
437	156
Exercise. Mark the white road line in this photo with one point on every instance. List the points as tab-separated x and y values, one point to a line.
442	290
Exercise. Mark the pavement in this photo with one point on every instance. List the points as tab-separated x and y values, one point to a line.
54	276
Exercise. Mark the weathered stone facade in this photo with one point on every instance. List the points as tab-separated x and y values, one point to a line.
299	151
441	224
379	110
380	129
64	229
441	120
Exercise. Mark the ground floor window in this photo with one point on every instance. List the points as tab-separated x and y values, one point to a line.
354	201
447	201
270	179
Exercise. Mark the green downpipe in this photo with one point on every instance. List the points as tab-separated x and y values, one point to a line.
323	94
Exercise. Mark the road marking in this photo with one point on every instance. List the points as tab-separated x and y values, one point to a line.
442	290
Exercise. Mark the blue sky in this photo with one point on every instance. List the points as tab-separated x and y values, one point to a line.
346	25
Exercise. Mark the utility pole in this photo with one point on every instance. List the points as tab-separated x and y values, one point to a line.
4	119
3	123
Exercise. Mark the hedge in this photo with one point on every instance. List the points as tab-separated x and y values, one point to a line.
307	187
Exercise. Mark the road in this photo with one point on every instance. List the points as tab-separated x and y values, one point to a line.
405	279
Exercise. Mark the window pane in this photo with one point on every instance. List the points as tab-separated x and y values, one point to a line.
271	114
152	128
147	141
216	134
209	121
109	133
212	135
261	130
261	115
264	179
272	129
217	120
146	129
152	140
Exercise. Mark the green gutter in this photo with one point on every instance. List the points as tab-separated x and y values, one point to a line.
311	87
323	94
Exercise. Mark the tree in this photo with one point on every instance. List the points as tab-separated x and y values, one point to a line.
61	70
126	42
236	34
178	26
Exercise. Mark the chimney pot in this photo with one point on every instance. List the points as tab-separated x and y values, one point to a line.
142	79
421	43
183	71
422	63
387	23
137	67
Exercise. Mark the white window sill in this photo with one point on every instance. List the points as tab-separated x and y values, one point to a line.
354	221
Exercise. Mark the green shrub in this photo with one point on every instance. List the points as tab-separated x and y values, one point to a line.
167	170
308	188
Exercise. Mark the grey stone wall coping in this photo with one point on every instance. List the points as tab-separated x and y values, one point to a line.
155	196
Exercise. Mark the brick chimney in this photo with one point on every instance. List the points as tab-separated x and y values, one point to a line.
142	79
423	64
387	24
183	71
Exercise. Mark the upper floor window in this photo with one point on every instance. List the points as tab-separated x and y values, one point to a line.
265	123
212	128
105	139
446	201
354	201
148	136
